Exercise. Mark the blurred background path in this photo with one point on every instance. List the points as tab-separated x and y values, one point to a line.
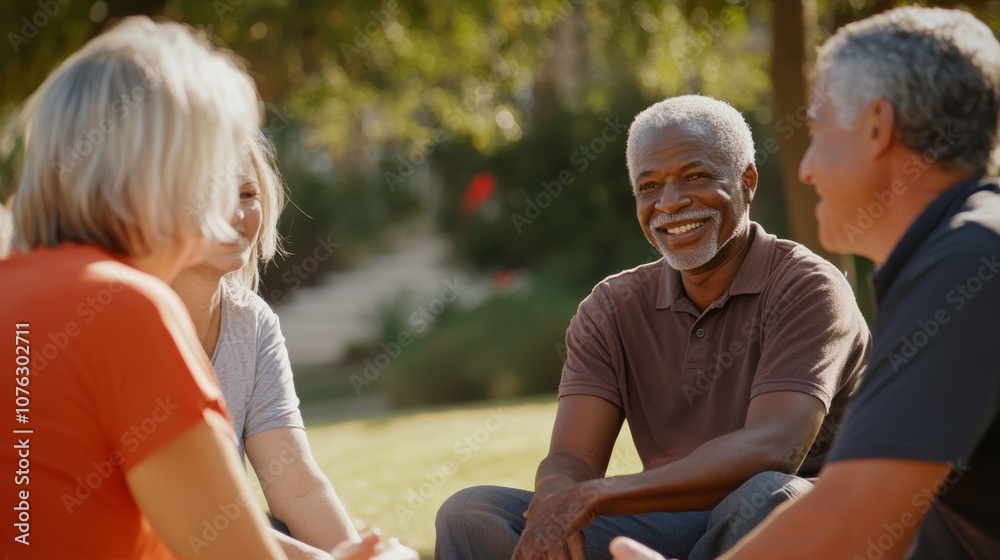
320	322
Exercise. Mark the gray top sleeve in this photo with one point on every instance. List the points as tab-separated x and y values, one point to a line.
252	365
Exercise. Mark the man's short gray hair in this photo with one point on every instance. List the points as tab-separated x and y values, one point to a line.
940	70
719	121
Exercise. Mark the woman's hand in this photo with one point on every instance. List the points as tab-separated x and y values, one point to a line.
624	548
372	547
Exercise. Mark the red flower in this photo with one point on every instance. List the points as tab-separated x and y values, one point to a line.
480	189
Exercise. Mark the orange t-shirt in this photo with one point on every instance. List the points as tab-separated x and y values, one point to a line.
114	372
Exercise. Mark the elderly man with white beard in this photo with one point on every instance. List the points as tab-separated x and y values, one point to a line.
732	358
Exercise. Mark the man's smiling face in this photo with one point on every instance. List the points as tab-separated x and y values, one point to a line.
687	202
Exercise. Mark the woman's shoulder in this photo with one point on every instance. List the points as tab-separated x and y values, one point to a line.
94	286
247	307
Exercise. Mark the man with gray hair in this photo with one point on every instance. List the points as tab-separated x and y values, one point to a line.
904	135
909	126
732	359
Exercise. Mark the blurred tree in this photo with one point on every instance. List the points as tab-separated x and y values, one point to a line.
793	28
383	87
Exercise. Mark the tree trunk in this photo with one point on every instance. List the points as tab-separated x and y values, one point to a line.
791	62
792	57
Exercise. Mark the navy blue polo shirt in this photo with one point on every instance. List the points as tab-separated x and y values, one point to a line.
932	388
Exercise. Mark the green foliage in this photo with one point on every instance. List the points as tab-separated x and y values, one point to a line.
508	346
562	192
482	71
327	207
563	202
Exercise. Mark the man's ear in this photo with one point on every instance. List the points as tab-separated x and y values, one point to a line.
880	127
748	182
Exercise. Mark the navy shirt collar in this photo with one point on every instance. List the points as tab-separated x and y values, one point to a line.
938	211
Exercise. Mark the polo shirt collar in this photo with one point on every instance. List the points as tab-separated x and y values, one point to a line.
749	280
936	212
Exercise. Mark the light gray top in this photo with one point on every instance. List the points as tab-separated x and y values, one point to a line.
252	365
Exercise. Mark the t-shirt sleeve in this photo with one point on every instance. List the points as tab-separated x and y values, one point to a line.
592	351
933	387
814	340
273	402
155	382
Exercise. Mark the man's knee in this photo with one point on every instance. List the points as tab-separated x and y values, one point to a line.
454	508
771	482
759	495
480	503
481	523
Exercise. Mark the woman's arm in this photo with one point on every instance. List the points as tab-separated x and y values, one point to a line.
188	484
296	490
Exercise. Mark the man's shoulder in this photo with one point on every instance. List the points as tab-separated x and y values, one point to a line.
969	235
644	278
978	219
794	263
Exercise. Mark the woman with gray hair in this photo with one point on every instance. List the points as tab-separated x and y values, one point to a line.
121	445
241	334
6	231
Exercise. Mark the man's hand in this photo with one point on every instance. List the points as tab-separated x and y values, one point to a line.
371	548
555	520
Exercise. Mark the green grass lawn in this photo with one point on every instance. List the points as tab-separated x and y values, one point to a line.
394	471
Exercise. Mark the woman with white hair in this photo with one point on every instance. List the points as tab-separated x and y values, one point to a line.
241	334
6	231
121	447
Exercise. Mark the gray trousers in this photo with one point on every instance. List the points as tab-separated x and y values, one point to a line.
485	522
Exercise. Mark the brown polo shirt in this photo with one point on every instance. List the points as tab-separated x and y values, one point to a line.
789	322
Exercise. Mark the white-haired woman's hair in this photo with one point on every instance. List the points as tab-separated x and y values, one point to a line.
263	166
134	141
722	124
940	70
6	231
